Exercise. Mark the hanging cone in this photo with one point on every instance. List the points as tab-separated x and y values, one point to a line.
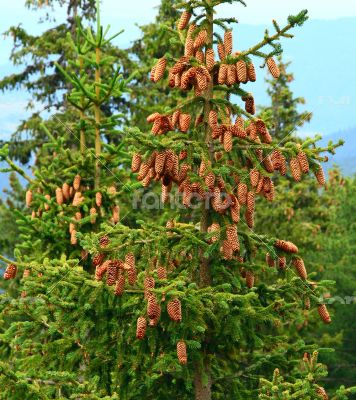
144	168
282	262
98	259
199	55
213	119
10	272
93	215
300	268
303	162
321	392
295	169
286	246
160	68
174	309
228	42
254	177
132	276
250	202
28	198
227	250
59	196
148	284
250	219
76	182
235	210
65	190
101	270
46	205
270	261
136	162
104	241
214	227
320	177
184	122
210	59
250	104
273	68
241	71
112	273
77	199
324	313
162	273
251	72
227	141
232	237
242	193
153	308
222	76
130	260
120	285
231	75
115	214
250	279
73	237
201	39
184	20
141	328
182	352
221	51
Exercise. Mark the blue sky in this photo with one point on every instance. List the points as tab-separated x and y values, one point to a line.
312	51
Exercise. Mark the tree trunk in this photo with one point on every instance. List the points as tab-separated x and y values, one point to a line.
202	389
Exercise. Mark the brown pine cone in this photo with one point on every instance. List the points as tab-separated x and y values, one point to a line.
222	76
78	216
184	20
77	199
59	196
182	352
282	262
189	47
98	199
210	59
153	308
286	246
214	227
120	285
28	198
187	195
270	261
273	68
250	104
250	202
254	177
228	140
232	237
320	177
251	72
174	309
100	270
162	273
183	154
228	42
235	209
277	160
267	163
112	272
250	219
300	268
227	250
199	55
321	392
98	259
324	313
104	241
66	190
250	279
73	237
221	51
10	272
130	260
152	74
136	162
76	182
160	68
242	193
241	71
201	39
303	162
213	119
148	284
115	214
184	122
295	169
48	197
132	276
141	328
231	75
210	180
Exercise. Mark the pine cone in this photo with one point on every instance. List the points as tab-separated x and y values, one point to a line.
104	241
250	104
136	162
162	273
46	205
174	310
148	284
59	196
182	352
270	261
210	59
300	268
184	122
214	227
232	237
153	308
10	272
227	250
321	392
101	270
227	141
210	180
241	71
132	276
93	215
222	76
112	272
235	210
286	246
251	72
77	199
152	74
65	190
254	177
273	68
76	182
115	214
242	193
324	313
130	260
295	169
120	285
303	162
213	119
98	259
28	198
98	199
228	42
201	39
267	163
160	68
184	20
320	177
221	51
250	279
231	75
189	47
250	202
141	328
250	219
199	55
